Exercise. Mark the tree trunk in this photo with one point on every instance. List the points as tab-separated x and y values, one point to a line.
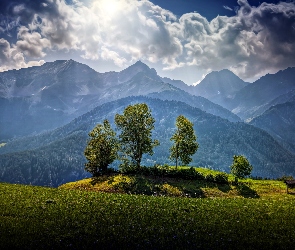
176	162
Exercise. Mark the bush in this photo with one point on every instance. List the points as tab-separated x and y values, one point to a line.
210	178
123	183
189	174
128	169
285	178
112	171
169	190
199	176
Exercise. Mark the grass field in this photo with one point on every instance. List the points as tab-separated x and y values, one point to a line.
49	218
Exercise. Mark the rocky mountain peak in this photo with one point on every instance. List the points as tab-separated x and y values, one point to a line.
138	67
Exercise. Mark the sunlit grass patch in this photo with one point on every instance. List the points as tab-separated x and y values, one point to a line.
200	188
169	190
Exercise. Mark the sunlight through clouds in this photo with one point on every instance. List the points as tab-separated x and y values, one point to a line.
110	7
255	41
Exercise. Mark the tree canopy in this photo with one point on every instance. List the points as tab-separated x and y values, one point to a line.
241	167
136	125
101	149
185	141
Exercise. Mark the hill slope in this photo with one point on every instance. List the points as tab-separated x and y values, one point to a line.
279	121
263	91
59	153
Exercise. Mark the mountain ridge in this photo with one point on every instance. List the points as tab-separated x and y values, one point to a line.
57	92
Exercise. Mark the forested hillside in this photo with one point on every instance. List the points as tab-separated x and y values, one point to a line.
279	121
57	156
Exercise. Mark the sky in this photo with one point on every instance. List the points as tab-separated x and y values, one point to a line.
181	39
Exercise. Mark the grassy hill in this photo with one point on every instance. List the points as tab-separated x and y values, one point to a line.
76	216
175	187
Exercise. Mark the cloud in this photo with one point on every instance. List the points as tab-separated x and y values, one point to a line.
31	43
11	58
113	56
254	41
227	8
136	30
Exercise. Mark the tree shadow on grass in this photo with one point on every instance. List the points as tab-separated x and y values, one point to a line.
225	188
197	191
245	191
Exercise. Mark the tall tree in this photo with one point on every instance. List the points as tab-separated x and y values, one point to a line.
136	125
240	167
101	149
185	141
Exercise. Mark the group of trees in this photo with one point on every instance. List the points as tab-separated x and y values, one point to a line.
135	139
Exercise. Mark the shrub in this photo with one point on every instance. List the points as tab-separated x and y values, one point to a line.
199	176
169	190
285	178
128	169
210	178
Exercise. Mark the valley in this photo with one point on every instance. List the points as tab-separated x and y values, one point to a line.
46	113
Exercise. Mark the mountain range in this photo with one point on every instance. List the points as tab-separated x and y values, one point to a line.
41	98
46	113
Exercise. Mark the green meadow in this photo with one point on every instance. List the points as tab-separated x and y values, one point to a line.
106	213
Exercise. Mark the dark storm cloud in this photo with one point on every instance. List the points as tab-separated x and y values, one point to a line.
274	29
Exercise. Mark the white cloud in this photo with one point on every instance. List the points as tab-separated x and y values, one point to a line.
31	43
254	41
227	8
107	54
11	58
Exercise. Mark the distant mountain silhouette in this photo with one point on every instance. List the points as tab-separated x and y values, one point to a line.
219	87
250	99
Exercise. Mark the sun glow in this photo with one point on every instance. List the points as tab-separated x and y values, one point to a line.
110	7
